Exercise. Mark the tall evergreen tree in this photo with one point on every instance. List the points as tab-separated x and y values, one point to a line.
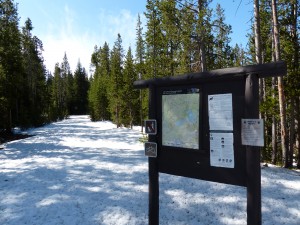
98	92
188	49
170	25
141	69
140	47
153	37
202	35
11	63
58	95
222	49
116	81
282	106
67	85
33	108
130	97
81	86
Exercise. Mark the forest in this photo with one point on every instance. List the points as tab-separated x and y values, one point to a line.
180	36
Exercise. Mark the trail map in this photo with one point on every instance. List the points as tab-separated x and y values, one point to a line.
180	118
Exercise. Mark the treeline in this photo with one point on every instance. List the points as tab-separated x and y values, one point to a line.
178	40
29	94
180	36
184	36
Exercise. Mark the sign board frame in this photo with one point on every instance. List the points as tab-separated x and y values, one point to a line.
242	84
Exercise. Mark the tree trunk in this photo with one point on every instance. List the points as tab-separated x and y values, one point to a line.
296	68
274	128
283	128
298	129
257	32
203	66
292	132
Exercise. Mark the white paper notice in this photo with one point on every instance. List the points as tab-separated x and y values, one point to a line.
253	132
220	112
221	150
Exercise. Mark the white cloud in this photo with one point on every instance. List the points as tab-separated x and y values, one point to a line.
78	42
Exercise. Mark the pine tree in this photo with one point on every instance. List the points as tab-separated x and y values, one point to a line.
98	92
67	86
282	106
188	49
170	25
130	97
116	81
238	56
11	63
58	95
33	106
140	47
81	86
289	15
222	49
141	70
202	35
92	93
153	37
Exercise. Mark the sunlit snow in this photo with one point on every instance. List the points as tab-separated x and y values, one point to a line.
91	173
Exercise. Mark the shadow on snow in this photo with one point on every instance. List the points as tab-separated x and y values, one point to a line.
78	172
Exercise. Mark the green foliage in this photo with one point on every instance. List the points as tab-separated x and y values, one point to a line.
130	97
98	92
34	80
80	94
181	36
11	63
116	81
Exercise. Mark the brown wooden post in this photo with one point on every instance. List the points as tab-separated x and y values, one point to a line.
153	166
253	154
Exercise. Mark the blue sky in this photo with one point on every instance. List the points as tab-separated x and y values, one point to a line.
76	26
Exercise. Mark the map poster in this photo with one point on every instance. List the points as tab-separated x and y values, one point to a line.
180	118
220	112
221	150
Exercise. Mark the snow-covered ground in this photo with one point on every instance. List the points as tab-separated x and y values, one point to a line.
79	172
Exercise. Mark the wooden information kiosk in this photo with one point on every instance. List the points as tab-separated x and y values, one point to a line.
206	126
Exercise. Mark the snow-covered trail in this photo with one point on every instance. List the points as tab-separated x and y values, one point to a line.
74	172
79	172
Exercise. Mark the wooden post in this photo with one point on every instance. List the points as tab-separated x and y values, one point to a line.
153	166
253	154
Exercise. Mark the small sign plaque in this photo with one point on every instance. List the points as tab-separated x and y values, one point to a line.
253	132
151	149
150	127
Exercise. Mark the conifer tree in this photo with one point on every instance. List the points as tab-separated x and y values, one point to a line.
141	69
140	47
188	49
11	63
153	37
170	24
33	107
58	98
116	81
98	92
130	97
222	49
81	86
67	86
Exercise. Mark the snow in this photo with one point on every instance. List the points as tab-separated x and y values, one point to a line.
91	173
